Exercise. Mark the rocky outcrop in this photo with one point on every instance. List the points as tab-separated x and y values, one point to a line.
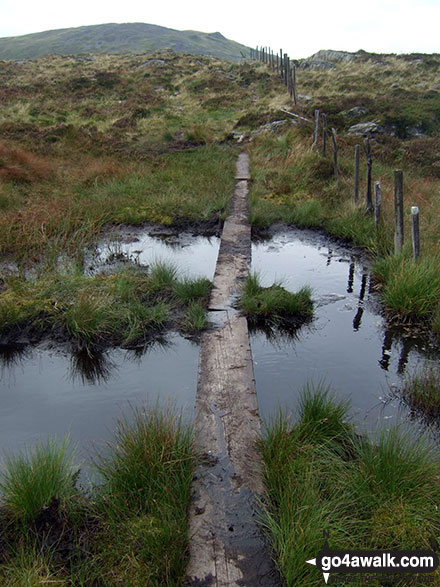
366	128
355	112
327	59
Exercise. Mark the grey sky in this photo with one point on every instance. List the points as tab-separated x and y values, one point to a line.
398	26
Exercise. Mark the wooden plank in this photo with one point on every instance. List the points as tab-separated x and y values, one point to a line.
226	545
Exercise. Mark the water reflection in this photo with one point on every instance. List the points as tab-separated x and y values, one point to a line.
53	392
12	355
91	366
192	255
357	320
277	334
386	349
403	344
329	257
350	277
350	344
97	367
136	354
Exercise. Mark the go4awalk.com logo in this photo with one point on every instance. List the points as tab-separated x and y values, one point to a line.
374	561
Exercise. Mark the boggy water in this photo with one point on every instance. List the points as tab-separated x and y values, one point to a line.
347	346
46	390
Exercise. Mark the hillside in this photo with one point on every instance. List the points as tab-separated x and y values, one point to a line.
119	38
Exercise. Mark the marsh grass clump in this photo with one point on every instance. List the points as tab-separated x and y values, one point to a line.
369	493
188	290
195	317
30	480
130	528
144	451
163	276
125	308
144	497
410	289
421	391
274	305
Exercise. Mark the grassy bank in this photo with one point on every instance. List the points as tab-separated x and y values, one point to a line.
130	529
398	94
368	494
94	140
68	211
125	308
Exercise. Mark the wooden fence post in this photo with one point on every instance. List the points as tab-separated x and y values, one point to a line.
415	232
335	153
281	63
286	81
357	151
378	202
398	210
368	194
315	130
324	133
294	85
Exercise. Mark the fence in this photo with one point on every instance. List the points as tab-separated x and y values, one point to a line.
281	63
370	207
286	68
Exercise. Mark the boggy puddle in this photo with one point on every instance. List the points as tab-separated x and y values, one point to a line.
347	346
46	390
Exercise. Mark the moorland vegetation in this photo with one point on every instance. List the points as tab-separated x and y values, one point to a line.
91	142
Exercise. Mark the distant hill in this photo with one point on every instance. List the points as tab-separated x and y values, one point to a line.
119	38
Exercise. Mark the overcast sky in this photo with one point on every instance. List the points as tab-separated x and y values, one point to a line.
299	28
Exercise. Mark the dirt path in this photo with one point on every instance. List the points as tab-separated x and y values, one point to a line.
226	547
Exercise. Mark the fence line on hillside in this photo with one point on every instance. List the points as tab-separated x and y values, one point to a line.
282	64
371	208
286	69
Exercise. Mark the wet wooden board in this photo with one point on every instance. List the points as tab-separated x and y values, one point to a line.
226	545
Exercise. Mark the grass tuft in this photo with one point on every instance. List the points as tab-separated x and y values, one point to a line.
31	479
274	305
144	499
195	317
163	276
131	529
369	494
421	391
411	289
189	290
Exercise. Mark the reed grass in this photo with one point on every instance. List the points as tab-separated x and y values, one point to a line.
130	528
29	480
274	305
369	493
124	308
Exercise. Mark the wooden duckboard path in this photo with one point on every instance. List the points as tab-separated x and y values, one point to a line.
226	546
